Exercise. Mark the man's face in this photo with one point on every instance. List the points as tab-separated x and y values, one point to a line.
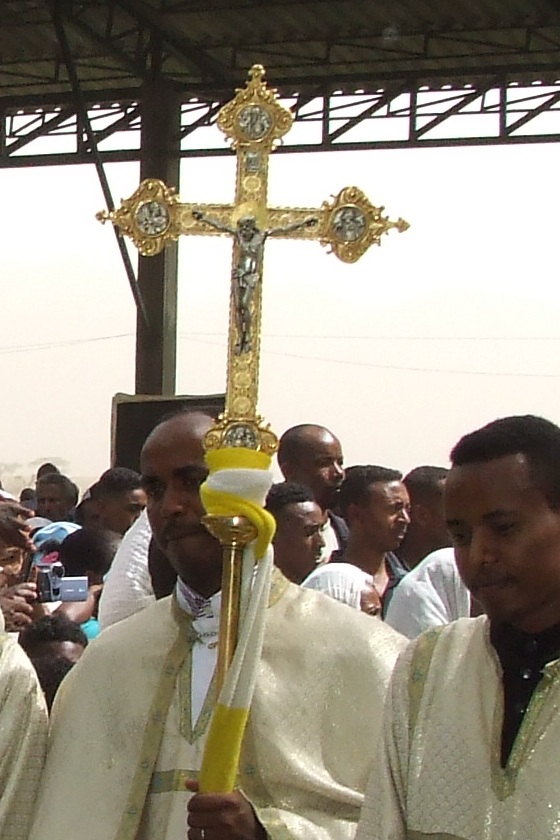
384	517
173	468
52	502
507	541
118	513
298	541
320	467
428	518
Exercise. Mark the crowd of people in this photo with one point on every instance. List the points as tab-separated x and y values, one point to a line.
409	680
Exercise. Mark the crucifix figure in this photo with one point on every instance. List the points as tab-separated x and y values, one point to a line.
254	122
246	272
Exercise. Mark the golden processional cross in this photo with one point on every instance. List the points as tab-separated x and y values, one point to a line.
254	122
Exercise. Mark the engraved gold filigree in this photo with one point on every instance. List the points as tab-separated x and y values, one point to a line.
350	224
249	432
149	217
254	117
254	122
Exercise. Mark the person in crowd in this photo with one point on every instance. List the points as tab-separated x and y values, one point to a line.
54	644
128	588
49	537
426	530
46	469
89	553
145	690
119	498
86	514
23	714
298	541
311	455
472	726
346	583
28	498
428	596
17	596
57	496
375	504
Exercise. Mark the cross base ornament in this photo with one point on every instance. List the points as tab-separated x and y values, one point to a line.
347	224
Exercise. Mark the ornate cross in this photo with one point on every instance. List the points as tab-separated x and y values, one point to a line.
254	122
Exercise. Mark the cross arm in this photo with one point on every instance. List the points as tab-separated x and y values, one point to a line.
347	224
154	216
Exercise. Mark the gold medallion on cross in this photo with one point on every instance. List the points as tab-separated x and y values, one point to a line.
254	122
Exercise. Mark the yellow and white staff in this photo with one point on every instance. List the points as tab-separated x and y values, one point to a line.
233	496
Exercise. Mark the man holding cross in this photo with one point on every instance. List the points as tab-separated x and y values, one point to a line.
137	705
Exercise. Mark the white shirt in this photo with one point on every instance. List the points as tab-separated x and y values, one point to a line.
430	595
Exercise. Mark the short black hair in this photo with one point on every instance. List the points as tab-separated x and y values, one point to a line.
287	493
88	550
51	670
425	482
358	480
51	628
28	494
70	490
294	442
534	437
47	469
114	482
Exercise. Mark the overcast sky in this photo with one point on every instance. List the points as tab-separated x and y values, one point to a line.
443	328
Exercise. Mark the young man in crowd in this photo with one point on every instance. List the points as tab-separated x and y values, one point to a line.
472	728
311	455
119	499
375	504
57	496
298	541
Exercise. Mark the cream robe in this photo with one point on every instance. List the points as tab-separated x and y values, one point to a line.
441	776
23	737
120	750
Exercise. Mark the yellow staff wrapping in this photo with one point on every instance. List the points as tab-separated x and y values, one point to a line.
237	485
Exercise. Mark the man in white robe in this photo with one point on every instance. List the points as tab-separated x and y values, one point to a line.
430	595
130	722
23	711
23	737
472	723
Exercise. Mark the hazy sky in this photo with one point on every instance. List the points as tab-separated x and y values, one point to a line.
443	328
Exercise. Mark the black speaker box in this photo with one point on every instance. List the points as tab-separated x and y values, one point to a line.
134	417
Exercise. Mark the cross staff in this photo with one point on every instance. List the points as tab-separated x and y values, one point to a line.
254	122
239	446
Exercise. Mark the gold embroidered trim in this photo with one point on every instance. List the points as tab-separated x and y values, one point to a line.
274	827
153	731
278	585
169	781
172	666
188	731
532	727
419	667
